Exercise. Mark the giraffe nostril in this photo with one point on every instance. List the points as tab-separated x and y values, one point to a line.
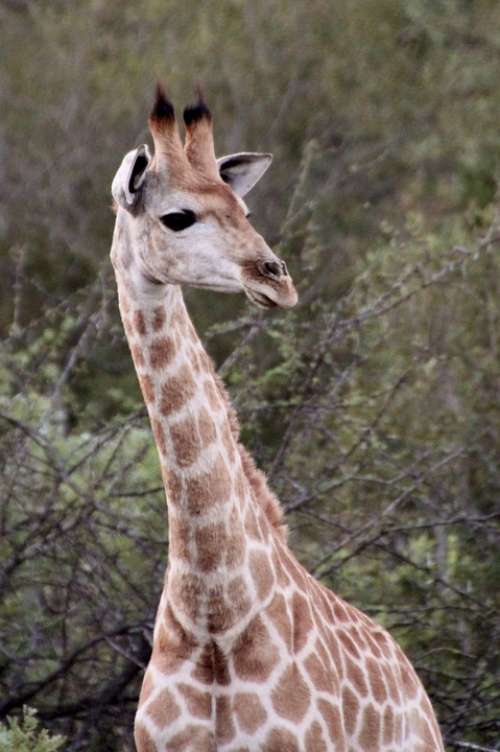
272	268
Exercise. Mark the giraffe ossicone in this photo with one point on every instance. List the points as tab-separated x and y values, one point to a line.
250	653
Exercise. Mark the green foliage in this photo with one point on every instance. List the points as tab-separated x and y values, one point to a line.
373	405
26	735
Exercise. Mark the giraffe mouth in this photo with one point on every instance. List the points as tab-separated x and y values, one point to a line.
260	299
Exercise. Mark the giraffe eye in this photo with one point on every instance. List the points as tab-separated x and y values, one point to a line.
178	221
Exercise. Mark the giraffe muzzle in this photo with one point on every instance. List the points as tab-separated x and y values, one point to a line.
267	284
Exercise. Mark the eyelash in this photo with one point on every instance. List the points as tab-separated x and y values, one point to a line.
177	221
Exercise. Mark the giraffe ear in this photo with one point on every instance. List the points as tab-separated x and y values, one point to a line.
129	179
241	171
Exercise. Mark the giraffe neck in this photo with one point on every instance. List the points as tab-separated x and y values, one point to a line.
222	518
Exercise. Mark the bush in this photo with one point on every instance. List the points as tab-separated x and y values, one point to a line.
25	735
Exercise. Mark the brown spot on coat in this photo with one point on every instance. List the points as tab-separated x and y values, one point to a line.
163	709
220	667
137	355
339	611
210	545
177	390
373	646
249	711
281	740
350	705
193	738
239	602
356	677
206	427
382	641
322	652
139	323
358	638
172	646
388	725
278	613
348	643
409	680
209	488
235	548
221	615
291	696
174	487
376	680
369	735
314	739
319	675
161	352
224	725
204	671
186	591
158	318
335	653
186	441
238	594
333	720
392	684
262	573
301	619
143	741
199	703
255	654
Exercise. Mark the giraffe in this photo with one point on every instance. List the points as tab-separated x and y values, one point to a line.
250	652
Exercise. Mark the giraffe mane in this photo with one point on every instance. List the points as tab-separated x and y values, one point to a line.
263	496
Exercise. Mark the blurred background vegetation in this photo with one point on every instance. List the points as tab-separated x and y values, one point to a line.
373	406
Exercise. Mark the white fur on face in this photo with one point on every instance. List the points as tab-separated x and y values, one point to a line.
208	253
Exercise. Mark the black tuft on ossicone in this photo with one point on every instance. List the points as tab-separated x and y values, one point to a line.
163	108
197	111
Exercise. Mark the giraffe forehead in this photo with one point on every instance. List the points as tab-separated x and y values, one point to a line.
219	201
188	191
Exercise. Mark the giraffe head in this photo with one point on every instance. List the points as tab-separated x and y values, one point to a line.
184	215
